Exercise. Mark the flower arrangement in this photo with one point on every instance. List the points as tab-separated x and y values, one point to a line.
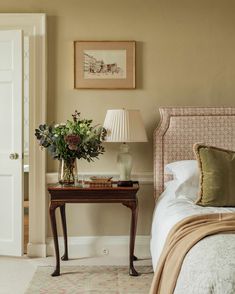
76	138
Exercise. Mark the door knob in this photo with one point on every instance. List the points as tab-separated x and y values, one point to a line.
14	156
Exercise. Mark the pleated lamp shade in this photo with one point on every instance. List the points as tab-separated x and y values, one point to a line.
124	125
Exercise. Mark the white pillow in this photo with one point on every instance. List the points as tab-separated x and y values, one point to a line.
188	191
170	189
186	172
183	170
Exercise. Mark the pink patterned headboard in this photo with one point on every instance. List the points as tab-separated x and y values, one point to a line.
181	127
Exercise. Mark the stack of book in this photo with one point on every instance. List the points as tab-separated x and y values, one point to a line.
100	182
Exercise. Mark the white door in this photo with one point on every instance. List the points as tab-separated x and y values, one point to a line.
11	165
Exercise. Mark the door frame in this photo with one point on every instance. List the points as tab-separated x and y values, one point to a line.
34	26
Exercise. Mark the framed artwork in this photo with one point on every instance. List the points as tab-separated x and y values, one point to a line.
104	64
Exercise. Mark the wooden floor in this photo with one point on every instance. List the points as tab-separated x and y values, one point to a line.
26	225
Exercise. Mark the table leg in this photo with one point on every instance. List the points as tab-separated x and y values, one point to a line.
134	215
63	219
53	207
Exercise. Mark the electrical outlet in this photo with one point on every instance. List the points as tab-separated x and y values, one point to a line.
105	251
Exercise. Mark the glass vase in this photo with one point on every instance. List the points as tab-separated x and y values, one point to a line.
68	172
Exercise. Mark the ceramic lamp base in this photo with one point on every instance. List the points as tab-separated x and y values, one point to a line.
124	162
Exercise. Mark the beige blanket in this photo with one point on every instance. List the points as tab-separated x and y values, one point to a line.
181	239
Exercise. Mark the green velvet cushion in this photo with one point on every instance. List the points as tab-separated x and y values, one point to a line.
217	182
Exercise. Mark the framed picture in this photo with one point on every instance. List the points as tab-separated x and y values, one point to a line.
104	64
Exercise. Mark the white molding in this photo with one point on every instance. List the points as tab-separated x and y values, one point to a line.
117	246
144	178
34	26
26	168
36	250
37	159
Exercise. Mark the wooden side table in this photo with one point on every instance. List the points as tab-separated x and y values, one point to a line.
60	195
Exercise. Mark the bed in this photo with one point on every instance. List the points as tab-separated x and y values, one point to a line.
178	130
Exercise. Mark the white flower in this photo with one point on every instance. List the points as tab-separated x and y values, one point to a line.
60	125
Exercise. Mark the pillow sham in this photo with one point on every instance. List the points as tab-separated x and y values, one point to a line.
183	170
186	172
217	175
169	190
187	190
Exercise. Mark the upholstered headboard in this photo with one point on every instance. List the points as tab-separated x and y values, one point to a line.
181	127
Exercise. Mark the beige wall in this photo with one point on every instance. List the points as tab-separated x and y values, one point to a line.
185	56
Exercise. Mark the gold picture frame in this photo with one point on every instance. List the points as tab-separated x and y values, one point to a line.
104	64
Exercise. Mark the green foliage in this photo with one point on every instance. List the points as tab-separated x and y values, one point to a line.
77	138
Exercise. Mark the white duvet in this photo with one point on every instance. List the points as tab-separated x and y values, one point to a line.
168	211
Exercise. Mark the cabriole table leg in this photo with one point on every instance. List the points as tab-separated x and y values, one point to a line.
133	205
64	225
52	209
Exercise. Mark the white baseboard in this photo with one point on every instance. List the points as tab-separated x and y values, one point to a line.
144	178
114	246
36	250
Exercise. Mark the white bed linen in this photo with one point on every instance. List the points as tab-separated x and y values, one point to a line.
169	211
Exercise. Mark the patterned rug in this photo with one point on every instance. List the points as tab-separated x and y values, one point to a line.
91	279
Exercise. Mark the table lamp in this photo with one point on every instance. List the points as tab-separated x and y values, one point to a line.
124	126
